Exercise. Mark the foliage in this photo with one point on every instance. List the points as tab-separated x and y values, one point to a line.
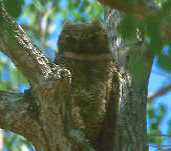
43	19
14	142
154	28
14	7
156	117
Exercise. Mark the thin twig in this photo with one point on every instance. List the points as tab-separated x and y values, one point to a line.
160	92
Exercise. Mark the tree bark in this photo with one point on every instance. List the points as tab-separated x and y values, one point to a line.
93	100
135	64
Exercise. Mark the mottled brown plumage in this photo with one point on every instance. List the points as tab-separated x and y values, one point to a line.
84	50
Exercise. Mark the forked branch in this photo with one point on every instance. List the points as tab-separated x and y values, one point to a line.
18	115
16	44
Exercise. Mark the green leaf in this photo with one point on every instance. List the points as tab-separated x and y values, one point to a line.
14	7
153	32
164	62
128	26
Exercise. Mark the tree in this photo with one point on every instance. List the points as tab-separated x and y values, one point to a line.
86	101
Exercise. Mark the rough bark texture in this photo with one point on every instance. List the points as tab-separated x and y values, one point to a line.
135	64
19	114
15	43
95	82
89	101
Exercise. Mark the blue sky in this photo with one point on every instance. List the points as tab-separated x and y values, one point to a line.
158	77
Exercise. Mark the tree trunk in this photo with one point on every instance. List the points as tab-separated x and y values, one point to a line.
92	100
135	62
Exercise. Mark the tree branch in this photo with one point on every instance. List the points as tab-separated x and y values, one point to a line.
15	43
18	115
131	118
140	9
160	92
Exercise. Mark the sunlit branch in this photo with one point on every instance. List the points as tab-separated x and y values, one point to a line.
16	44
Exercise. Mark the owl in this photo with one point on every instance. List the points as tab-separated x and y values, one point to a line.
84	50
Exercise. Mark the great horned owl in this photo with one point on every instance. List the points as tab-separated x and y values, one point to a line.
84	50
